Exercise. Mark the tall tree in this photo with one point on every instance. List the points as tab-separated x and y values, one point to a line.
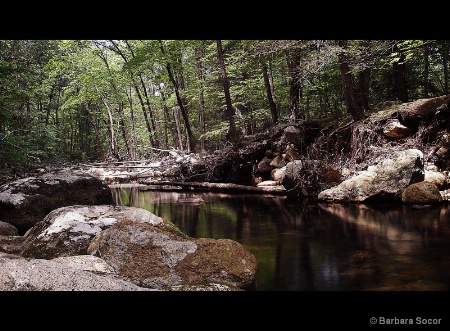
112	150
293	61
129	142
198	52
364	87
364	73
191	140
426	70
350	96
399	76
268	87
96	130
444	49
154	137
232	134
150	122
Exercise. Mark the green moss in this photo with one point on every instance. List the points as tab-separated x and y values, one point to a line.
172	228
39	250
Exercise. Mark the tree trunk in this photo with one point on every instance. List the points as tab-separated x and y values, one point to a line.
351	99
58	102
49	105
399	75
144	112
202	121
112	144
232	134
155	140
293	61
147	99
129	146
184	114
364	87
132	120
166	120
445	60
176	117
150	124
97	136
270	72
129	143
426	67
201	99
272	105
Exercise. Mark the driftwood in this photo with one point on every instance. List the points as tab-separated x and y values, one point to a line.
100	165
204	186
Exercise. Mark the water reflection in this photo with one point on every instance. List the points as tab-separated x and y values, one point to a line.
303	246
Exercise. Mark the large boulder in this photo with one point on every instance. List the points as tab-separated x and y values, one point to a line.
293	134
383	182
422	193
26	201
12	244
264	166
292	174
142	248
7	229
395	129
437	178
21	274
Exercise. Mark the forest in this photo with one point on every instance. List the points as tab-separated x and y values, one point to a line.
70	101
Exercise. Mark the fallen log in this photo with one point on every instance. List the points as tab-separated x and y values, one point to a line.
206	186
120	166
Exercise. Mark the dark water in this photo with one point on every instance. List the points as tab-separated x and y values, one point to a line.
303	246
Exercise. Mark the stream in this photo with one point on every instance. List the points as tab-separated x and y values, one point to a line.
314	246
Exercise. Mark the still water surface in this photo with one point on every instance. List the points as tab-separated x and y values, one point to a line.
310	246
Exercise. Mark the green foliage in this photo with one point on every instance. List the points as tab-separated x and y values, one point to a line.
57	97
216	135
10	154
258	119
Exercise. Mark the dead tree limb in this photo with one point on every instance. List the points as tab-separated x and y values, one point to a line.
204	186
